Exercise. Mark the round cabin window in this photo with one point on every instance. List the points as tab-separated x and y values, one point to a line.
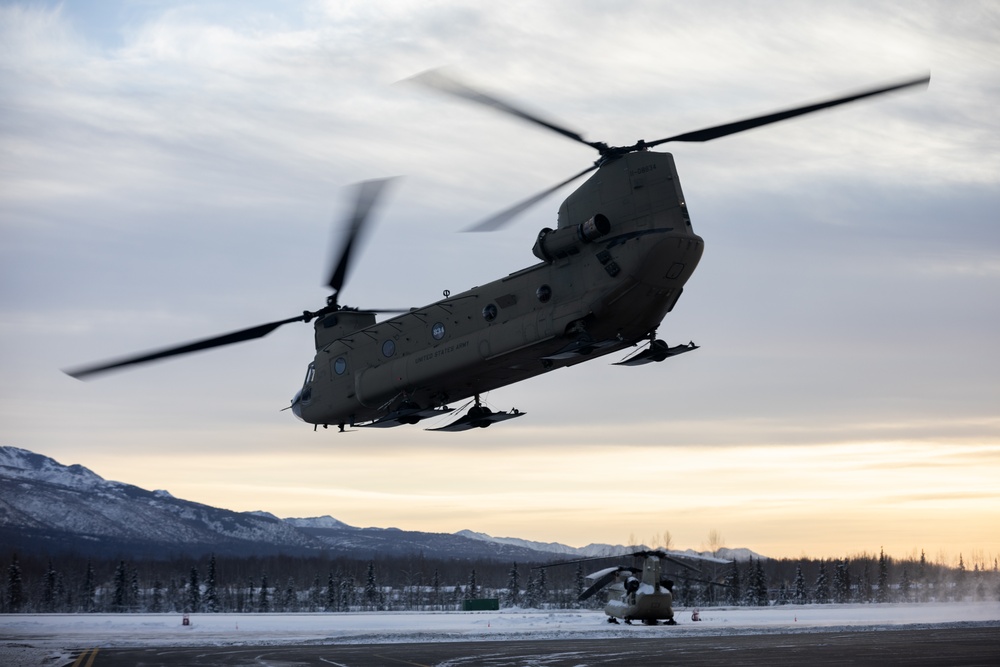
389	348
490	312
437	331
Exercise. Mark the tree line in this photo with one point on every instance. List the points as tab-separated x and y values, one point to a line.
282	584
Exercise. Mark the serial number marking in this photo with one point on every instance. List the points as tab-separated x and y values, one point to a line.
441	351
642	170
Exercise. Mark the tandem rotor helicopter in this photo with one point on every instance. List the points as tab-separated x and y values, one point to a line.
640	593
606	276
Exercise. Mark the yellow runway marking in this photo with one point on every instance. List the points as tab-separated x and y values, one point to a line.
83	656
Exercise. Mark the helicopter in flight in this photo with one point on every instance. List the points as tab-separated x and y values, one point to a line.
640	593
612	268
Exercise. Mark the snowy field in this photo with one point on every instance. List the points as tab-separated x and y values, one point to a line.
48	639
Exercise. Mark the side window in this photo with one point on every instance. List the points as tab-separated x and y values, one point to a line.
339	366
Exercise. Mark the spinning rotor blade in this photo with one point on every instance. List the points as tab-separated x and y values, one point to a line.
367	196
354	227
252	333
439	81
500	219
709	133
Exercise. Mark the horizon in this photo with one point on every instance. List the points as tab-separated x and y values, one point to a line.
172	171
716	542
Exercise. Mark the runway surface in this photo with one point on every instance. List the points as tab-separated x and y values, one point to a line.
965	645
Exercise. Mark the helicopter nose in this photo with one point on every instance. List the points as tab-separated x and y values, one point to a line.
297	405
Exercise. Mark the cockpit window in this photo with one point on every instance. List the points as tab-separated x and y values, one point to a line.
306	394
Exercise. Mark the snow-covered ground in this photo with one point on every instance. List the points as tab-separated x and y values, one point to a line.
37	639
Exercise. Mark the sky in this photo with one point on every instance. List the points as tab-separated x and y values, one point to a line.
171	171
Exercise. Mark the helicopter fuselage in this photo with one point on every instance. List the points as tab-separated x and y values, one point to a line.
647	598
612	269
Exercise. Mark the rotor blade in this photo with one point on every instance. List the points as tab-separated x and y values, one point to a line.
367	197
498	220
598	585
380	311
678	558
252	333
585	560
439	81
677	561
717	131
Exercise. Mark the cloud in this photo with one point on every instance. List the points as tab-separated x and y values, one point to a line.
171	172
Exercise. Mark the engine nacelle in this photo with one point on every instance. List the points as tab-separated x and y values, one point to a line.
565	241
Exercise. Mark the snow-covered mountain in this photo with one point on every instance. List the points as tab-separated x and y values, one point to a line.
47	507
607	550
589	551
325	521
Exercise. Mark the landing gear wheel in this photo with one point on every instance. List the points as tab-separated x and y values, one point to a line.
479	411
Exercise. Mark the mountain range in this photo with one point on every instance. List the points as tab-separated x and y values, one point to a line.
47	507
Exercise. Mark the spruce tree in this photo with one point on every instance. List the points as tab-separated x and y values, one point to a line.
734	589
371	588
531	591
49	590
800	596
346	593
846	593
960	579
541	582
290	599
15	586
118	597
332	593
472	589
264	598
922	584
513	596
882	593
748	595
760	580
821	591
211	590
89	589
436	590
134	603
194	592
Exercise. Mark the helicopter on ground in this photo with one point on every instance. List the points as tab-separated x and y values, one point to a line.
640	593
614	266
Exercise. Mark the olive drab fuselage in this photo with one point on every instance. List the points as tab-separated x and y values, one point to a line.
647	598
612	269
